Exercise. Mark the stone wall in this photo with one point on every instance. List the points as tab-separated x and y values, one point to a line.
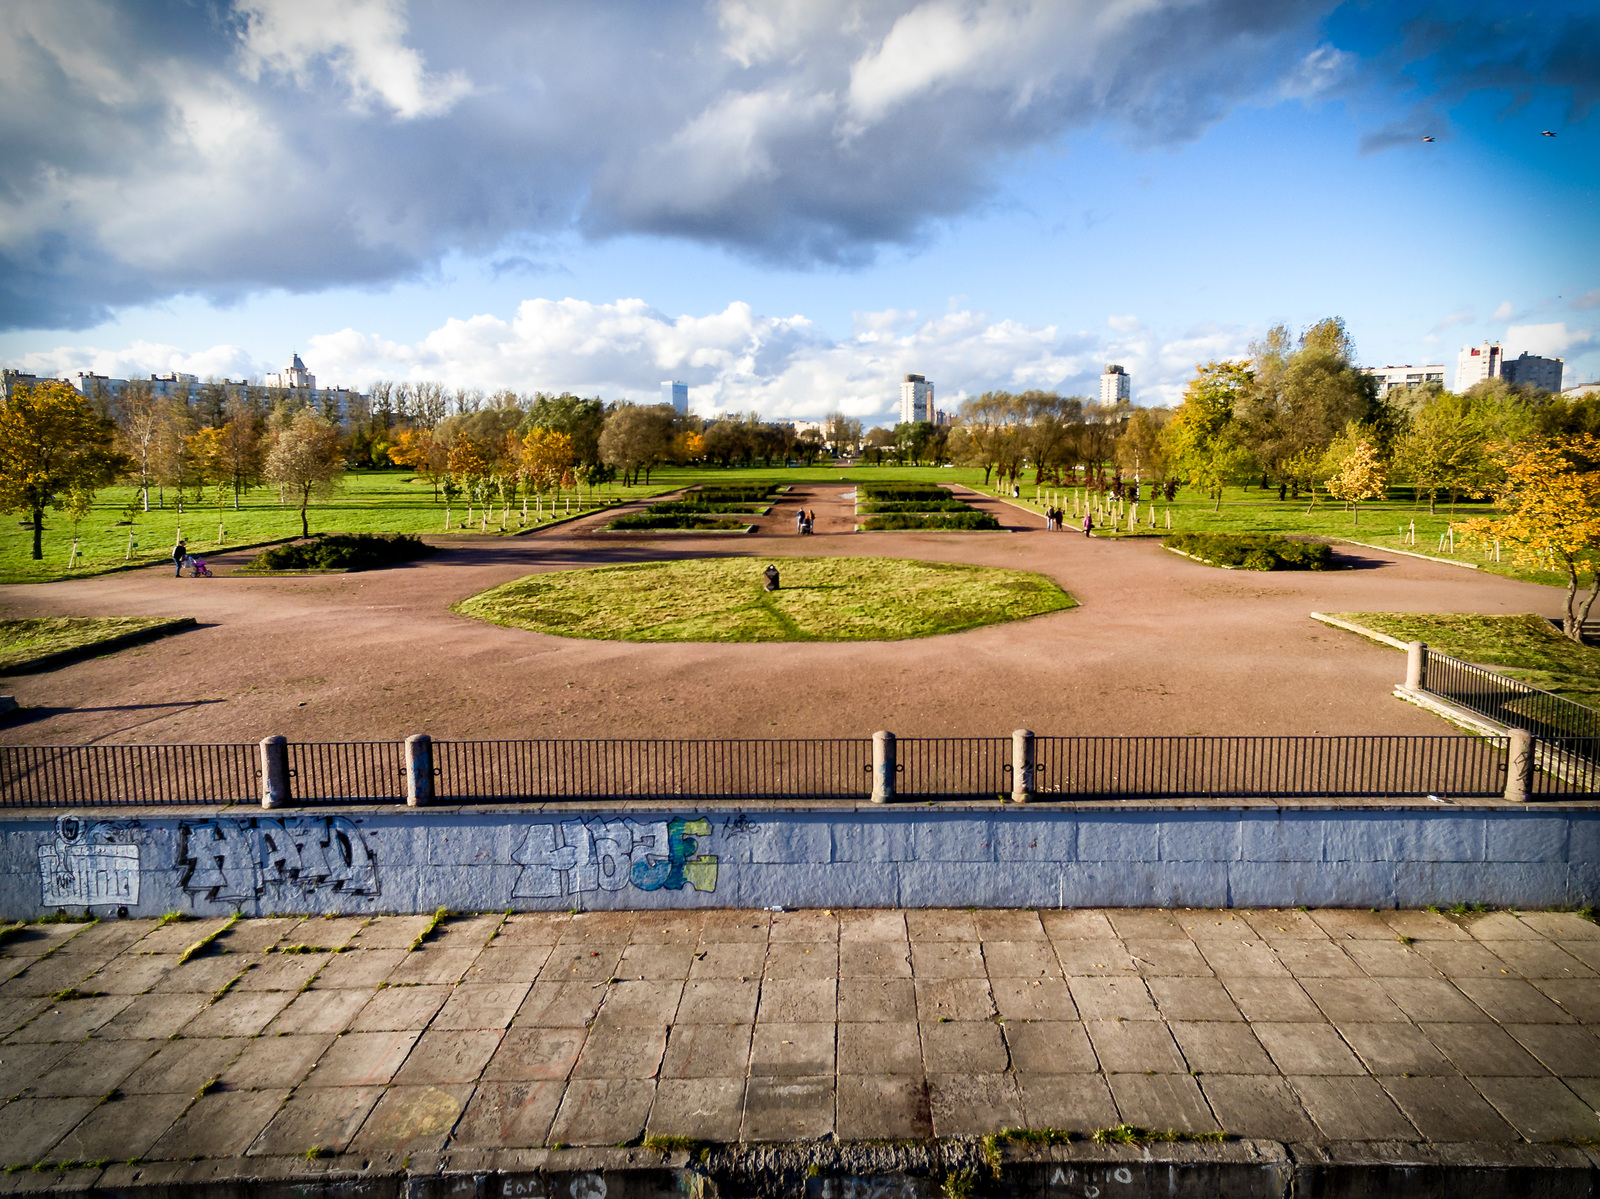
147	862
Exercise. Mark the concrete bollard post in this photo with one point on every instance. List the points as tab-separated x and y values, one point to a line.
1021	765
1519	765
419	771
883	768
275	773
1416	666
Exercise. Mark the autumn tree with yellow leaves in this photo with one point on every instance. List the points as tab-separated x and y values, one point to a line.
547	456
55	452
1360	474
1551	505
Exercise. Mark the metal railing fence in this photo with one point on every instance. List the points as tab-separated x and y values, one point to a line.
1508	701
347	770
53	775
954	767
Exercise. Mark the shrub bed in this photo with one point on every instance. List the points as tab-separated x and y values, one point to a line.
918	506
729	493
971	519
636	521
1253	551
901	491
684	506
344	551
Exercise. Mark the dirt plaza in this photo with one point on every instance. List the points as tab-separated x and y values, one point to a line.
1160	645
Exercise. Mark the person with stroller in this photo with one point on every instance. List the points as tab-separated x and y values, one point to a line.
180	555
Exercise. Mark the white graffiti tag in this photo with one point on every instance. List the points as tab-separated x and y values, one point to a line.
87	864
295	860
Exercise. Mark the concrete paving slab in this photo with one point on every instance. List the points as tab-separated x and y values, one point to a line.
1031	999
954	999
707	1051
1049	1047
568	1005
121	1129
1390	959
785	1108
362	1059
1395	1049
221	1124
35	940
1184	998
182	1066
1345	1000
510	1113
1021	959
482	1005
1431	999
1162	957
1283	926
707	1109
1145	924
69	1020
1482	1050
964	1046
1124	1046
390	932
1231	958
14	1013
445	1056
1307	1048
734	925
396	1009
1077	925
739	960
641	1001
359	968
1008	924
1220	1047
21	1064
152	1017
621	1051
501	963
1587	952
586	962
879	1047
883	1107
875	959
1512	1001
1429	926
865	925
1305	958
93	1069
130	974
316	1118
974	1104
431	966
868	999
32	1126
1351	1108
412	1119
947	959
1346	924
276	1061
1500	926
1113	999
1448	1110
669	961
1272	999
46	977
1087	958
204	975
1579	998
467	932
804	926
177	935
719	1001
535	1053
1540	960
798	1001
532	928
1079	1103
1541	1109
255	936
1258	1106
319	1011
941	924
238	1013
603	1111
1562	926
1461	959
1564	1049
792	1050
1162	1101
282	971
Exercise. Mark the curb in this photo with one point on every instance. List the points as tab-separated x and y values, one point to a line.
1383	549
65	657
1360	630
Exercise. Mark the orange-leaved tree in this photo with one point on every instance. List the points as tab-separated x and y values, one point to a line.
54	450
1359	472
1551	505
547	456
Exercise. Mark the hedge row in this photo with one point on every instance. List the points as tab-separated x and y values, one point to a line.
344	551
1253	551
902	491
969	520
918	506
670	520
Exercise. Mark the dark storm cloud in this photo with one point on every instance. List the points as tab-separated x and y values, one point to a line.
222	147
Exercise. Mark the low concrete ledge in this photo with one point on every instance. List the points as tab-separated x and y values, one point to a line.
397	860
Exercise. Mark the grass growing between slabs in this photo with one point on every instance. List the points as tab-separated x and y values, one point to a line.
26	641
722	599
1525	646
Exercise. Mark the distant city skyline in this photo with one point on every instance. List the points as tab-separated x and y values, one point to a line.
462	195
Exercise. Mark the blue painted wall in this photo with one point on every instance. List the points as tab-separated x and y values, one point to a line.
476	859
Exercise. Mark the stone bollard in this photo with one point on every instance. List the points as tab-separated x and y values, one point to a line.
1416	666
883	768
1022	766
1519	765
275	773
419	771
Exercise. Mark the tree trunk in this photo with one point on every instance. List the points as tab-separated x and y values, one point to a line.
1433	502
1587	604
305	526
1569	621
38	534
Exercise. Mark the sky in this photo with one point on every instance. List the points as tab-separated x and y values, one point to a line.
789	204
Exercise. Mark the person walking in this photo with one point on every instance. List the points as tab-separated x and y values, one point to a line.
180	552
1088	523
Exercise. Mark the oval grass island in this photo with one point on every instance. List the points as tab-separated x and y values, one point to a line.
721	599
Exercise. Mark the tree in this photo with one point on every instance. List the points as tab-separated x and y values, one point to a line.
239	452
418	449
546	457
1361	472
580	419
636	437
842	433
1551	501
1203	440
305	457
1139	449
1445	450
54	451
138	424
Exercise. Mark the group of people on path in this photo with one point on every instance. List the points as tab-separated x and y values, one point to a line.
803	521
182	558
1055	518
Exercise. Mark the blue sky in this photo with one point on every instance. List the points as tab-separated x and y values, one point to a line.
787	205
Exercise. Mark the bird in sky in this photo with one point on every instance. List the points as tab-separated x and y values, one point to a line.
1427	139
1547	133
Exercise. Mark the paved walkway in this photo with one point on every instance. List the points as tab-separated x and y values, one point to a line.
339	1039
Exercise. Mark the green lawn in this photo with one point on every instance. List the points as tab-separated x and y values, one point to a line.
721	599
1525	646
25	641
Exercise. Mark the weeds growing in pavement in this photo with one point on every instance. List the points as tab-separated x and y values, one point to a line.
1132	1134
439	917
204	942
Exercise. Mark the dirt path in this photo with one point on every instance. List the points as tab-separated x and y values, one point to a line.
1160	645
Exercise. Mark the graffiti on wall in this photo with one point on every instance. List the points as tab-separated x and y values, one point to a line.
297	860
87	864
607	855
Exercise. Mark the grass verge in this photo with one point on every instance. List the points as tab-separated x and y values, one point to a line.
42	642
1524	646
721	599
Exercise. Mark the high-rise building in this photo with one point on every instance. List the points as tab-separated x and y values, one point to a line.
916	400
294	375
676	394
1476	363
1390	377
1115	385
1533	370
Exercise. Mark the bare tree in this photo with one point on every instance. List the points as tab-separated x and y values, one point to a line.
305	458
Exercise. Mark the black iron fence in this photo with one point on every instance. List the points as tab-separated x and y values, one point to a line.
1056	768
1508	701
